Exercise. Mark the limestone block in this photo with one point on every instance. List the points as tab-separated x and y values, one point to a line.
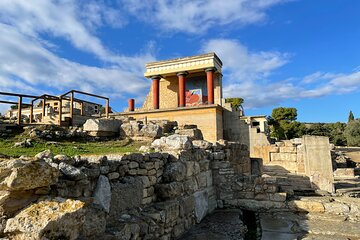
218	155
11	202
274	149
178	230
94	223
190	185
151	131
187	205
133	165
288	149
175	171
172	142
113	175
44	154
169	190
308	206
126	195
201	179
262	196
277	197
288	157
202	144
344	172
48	219
71	172
193	134
24	175
289	166
255	205
102	193
288	143
204	165
337	208
99	126
189	168
201	205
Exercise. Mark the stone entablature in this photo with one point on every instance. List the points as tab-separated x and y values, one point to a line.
189	64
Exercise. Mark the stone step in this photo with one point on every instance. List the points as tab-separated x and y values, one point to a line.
350	192
323	237
332	227
293	189
347	184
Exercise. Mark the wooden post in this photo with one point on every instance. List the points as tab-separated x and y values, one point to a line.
82	109
31	112
60	110
43	109
107	108
19	110
71	108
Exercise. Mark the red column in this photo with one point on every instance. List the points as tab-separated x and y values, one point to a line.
210	84
156	93
182	88
131	104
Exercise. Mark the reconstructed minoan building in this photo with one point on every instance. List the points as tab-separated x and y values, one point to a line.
189	90
51	110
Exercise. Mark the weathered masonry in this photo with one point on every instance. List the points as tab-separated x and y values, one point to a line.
187	90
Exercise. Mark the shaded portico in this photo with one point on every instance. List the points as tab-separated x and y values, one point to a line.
183	82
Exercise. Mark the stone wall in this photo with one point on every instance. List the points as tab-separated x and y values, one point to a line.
287	154
208	118
309	156
156	195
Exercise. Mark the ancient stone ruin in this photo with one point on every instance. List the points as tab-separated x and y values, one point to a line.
187	182
165	193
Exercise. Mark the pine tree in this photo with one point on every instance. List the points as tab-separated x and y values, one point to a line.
351	117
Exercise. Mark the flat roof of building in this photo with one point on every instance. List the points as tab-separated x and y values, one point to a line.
190	64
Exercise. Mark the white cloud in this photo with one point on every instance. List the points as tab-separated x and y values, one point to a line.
29	63
75	21
199	15
242	64
247	74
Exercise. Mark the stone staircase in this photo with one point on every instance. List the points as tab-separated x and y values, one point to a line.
291	183
347	182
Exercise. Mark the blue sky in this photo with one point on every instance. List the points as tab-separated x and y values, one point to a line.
293	53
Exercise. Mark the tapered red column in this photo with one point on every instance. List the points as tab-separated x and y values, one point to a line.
156	91
131	104
210	84
182	88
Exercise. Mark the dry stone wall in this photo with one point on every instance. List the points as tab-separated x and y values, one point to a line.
155	195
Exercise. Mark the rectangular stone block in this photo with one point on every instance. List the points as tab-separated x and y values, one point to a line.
288	157
288	149
277	197
344	172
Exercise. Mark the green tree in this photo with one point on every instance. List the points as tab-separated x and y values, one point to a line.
352	133
281	113
284	125
351	117
235	102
